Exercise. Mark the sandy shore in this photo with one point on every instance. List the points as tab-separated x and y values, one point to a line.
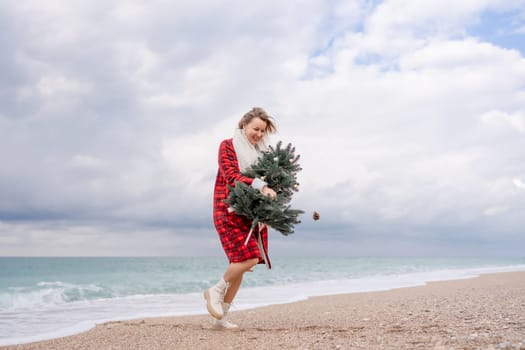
479	313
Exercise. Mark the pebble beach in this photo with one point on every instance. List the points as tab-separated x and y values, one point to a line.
486	312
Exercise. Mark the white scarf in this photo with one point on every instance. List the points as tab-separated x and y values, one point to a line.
247	153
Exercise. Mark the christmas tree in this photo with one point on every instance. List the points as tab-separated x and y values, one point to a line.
278	168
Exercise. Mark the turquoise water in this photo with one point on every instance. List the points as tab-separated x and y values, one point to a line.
42	298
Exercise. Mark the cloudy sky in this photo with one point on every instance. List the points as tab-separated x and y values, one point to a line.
409	117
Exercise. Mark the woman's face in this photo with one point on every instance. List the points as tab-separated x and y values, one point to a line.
254	130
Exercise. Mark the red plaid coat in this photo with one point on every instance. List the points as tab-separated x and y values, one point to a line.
232	228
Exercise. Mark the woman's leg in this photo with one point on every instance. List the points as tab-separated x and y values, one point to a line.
233	276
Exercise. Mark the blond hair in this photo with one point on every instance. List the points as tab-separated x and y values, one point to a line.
257	112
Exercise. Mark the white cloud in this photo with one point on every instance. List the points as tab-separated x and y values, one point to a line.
52	239
113	113
491	211
496	118
468	53
518	183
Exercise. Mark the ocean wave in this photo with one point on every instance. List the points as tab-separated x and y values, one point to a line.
46	294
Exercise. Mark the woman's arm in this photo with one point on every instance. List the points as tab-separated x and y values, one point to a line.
228	165
229	168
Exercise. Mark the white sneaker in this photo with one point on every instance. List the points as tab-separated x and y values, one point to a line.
224	324
215	297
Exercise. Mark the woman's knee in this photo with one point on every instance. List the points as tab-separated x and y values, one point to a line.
251	262
246	264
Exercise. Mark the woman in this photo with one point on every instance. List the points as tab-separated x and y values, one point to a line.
235	156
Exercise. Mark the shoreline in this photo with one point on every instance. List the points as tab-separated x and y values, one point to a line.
481	312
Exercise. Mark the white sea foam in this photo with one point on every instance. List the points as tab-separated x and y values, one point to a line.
276	294
44	294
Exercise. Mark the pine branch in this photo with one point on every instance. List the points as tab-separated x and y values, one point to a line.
278	168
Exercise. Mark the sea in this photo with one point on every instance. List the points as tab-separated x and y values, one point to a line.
50	297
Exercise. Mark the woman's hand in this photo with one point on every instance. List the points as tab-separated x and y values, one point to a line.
267	191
